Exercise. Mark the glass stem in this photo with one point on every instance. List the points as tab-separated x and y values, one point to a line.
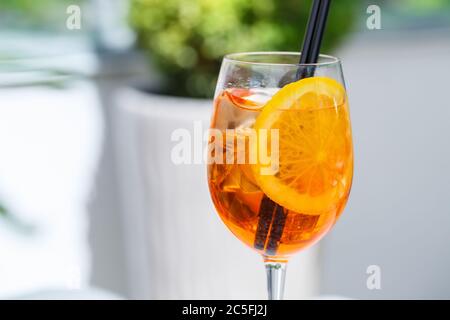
276	272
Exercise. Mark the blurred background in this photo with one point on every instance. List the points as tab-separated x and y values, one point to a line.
92	207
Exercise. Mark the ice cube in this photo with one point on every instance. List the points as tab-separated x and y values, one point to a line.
261	96
232	182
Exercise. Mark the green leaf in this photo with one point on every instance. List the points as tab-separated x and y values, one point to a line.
3	211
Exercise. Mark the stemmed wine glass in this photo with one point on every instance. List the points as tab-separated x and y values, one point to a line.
280	155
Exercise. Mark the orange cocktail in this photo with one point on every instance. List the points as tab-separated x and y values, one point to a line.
281	208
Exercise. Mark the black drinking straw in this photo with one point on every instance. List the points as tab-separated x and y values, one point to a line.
305	56
272	217
313	37
320	28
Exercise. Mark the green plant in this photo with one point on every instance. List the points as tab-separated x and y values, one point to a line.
186	40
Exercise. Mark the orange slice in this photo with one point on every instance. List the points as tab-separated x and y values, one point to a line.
238	98
315	158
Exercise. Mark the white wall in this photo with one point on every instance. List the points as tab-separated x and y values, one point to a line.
398	216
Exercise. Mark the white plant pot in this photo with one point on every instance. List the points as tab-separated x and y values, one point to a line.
177	247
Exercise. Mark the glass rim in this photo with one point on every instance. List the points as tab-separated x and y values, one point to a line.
235	57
